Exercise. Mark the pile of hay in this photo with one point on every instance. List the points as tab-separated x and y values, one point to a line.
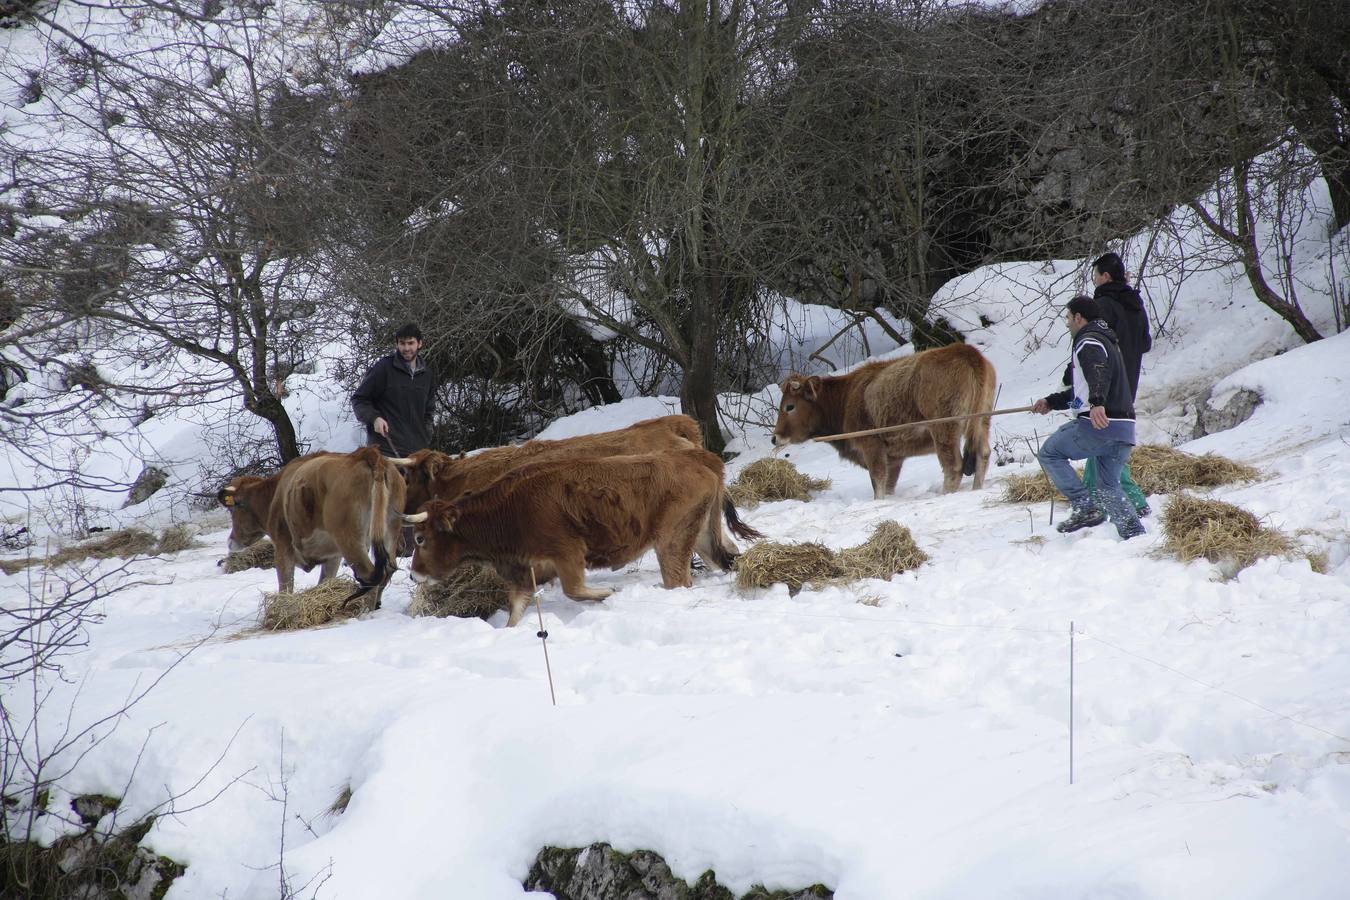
123	544
258	555
769	479
1162	470
889	550
472	590
1224	534
1155	468
323	603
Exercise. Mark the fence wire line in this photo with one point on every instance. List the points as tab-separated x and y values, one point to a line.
1058	633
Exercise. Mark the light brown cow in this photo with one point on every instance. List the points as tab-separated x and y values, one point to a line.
434	475
319	510
564	516
948	381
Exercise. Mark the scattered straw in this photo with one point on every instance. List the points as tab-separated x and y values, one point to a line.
177	538
770	479
339	805
769	562
1222	533
123	544
258	555
889	550
323	603
1157	469
471	590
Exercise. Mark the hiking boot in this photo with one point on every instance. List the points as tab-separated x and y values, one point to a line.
1130	530
1084	516
1143	511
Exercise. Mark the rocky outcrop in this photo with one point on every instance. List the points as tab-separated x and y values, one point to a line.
1239	408
151	479
599	872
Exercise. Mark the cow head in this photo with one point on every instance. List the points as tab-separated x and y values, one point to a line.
420	471
248	516
799	414
437	548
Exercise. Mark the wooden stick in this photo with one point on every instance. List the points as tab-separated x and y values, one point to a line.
853	434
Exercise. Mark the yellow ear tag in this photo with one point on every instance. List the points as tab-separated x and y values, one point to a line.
229	499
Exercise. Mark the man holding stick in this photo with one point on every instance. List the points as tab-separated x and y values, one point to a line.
1103	429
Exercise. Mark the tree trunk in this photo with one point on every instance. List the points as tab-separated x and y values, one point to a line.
698	390
267	405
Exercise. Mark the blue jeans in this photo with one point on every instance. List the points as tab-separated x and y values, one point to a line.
1079	440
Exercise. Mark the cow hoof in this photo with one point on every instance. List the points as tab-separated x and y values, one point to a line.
593	596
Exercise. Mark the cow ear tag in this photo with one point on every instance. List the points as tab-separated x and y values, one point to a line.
229	500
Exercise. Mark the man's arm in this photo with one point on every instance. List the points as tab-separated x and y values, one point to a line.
370	389
1095	365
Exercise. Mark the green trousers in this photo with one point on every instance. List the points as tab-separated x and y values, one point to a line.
1126	483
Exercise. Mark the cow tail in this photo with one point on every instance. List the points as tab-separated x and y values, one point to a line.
734	523
377	527
976	438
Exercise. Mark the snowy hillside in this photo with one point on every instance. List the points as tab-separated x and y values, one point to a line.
889	739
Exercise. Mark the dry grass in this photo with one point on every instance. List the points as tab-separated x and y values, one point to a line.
1161	470
472	590
889	550
319	605
123	544
339	805
1155	468
769	479
770	562
1224	534
258	555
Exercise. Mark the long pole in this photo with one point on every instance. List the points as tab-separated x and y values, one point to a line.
886	428
1070	701
543	636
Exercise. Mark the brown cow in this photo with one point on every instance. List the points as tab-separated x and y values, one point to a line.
948	381
564	516
322	509
433	475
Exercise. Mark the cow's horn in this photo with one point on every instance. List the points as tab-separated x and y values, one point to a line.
415	518
401	461
228	489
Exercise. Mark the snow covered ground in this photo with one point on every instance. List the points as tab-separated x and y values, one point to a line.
889	739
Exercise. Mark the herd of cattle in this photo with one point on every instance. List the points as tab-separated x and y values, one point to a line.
546	509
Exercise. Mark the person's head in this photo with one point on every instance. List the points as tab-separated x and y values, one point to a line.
1079	311
1108	267
408	339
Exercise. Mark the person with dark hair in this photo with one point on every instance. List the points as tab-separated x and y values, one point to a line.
393	401
1122	308
1102	430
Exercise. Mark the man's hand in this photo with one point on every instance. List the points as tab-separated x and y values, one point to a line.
381	426
1097	415
1040	406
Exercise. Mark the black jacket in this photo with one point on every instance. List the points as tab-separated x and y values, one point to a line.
402	397
1123	309
1095	375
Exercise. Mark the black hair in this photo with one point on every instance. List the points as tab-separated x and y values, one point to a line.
1085	307
408	331
1110	264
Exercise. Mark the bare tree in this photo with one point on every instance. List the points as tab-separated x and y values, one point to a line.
167	208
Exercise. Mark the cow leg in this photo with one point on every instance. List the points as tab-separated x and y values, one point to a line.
947	445
893	473
674	556
519	599
329	568
284	560
571	568
879	469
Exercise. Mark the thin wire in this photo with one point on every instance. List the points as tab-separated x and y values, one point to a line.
1215	687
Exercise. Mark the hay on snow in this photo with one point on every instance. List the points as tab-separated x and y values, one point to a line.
1224	534
769	479
889	550
471	590
1157	469
328	601
125	543
258	555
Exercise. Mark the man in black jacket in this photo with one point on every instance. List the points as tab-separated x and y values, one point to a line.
1102	430
394	399
1123	310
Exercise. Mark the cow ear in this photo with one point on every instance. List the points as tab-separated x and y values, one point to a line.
812	386
792	385
446	521
433	466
